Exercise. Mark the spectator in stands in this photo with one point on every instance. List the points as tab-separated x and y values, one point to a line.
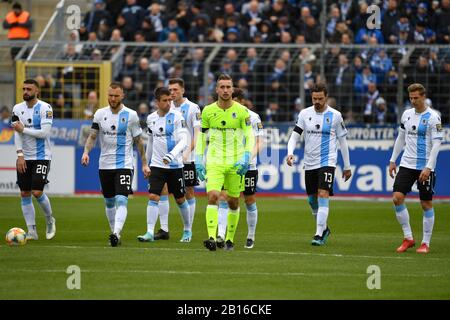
198	32
349	10
125	29
205	93
226	67
361	83
5	115
92	18
158	64
278	74
401	32
230	11
232	36
148	31
74	37
62	108
423	34
91	106
390	18
265	31
281	26
146	79
83	32
132	96
252	17
381	114
311	30
103	31
277	10
172	26
134	15
443	101
422	15
252	59
340	81
129	68
443	22
182	15
116	36
380	64
143	111
423	74
333	20
369	101
156	17
18	22
232	23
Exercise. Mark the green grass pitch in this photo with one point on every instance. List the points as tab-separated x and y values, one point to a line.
282	265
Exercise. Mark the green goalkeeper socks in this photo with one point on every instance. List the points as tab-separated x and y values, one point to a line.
233	219
212	220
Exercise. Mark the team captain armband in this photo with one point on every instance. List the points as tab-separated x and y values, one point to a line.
95	126
298	130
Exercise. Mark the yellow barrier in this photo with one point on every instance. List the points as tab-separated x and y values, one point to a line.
66	85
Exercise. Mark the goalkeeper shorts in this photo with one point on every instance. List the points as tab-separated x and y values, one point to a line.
226	176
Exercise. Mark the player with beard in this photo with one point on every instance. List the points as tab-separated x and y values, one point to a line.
118	127
32	121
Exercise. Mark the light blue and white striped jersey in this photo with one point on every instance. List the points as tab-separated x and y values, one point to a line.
166	132
257	132
321	131
192	116
116	133
420	129
33	118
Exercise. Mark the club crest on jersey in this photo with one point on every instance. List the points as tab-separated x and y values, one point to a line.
327	120
183	111
234	115
169	121
36	112
424	121
123	120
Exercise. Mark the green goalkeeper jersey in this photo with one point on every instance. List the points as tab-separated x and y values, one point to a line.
226	132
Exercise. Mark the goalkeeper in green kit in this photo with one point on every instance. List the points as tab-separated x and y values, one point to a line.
227	133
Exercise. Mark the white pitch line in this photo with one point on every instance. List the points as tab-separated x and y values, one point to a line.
334	255
271	274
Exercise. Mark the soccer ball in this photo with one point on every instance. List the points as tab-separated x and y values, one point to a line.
16	237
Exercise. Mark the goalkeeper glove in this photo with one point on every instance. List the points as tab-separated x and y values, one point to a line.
200	168
243	164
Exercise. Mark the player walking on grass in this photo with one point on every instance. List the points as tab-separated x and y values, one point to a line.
251	180
168	138
230	142
32	121
192	116
421	134
118	127
322	126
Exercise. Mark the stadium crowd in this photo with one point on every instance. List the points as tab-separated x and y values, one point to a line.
363	82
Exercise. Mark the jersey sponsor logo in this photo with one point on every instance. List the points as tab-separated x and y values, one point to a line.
247	121
439	127
49	115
